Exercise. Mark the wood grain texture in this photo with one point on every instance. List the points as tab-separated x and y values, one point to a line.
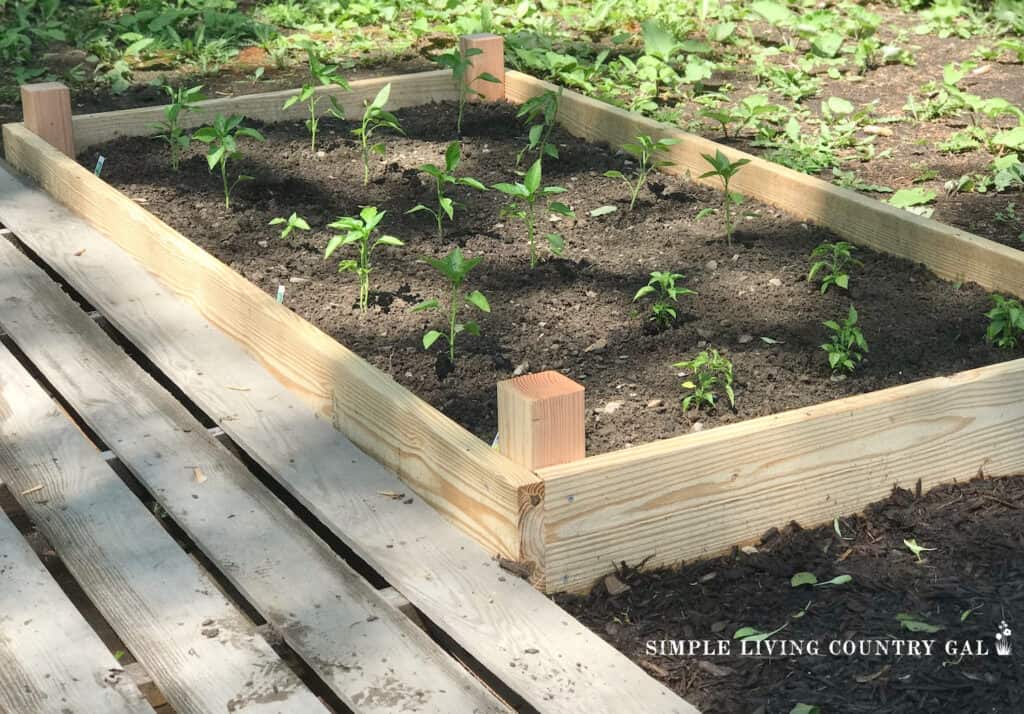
531	644
372	656
461	476
50	659
540	419
46	108
949	252
697	495
491	60
407	90
202	652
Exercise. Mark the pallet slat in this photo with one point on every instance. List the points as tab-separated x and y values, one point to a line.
202	652
368	653
462	477
530	643
50	659
949	252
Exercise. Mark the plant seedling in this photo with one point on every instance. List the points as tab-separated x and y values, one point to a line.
525	198
290	223
915	548
322	75
374	118
460	65
643	149
183	100
708	370
222	139
541	112
847	345
834	263
1006	323
446	177
455	268
359	230
807	578
752	634
915	623
663	286
725	170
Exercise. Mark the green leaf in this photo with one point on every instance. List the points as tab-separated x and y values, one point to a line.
389	240
603	211
561	209
1012	139
805	709
827	44
426	305
915	624
803	578
430	338
907	197
382	97
452	156
533	177
837	580
614	174
839	106
774	12
470	327
658	41
555	243
477	299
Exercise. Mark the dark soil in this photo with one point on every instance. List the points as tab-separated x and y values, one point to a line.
573	314
977	565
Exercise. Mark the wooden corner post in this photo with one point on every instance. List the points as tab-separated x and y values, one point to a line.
46	108
490	60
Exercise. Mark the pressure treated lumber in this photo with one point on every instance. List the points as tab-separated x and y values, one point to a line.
407	90
50	659
949	252
491	61
46	108
472	485
372	656
202	652
696	495
528	642
540	419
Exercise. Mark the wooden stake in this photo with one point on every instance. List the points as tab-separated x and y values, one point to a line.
46	108
540	420
490	60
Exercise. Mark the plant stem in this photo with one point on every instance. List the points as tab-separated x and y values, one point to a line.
453	311
728	214
529	235
224	178
440	210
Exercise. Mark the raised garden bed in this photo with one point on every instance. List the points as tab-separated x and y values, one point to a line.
676	498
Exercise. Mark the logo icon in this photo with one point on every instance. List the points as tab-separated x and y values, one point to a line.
1003	635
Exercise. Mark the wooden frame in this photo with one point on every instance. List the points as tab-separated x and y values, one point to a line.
688	496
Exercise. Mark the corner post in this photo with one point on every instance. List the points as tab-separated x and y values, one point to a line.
540	420
46	108
490	60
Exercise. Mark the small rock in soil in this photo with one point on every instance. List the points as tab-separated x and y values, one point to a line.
711	265
775	283
744	339
611	407
598	346
521	369
699	426
655	403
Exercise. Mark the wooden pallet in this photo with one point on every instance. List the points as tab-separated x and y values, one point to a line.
352	640
566	518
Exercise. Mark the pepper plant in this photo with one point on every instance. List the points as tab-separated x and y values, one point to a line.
846	346
359	230
643	149
222	140
526	197
461	67
375	117
725	170
454	267
708	371
1006	323
292	222
540	112
835	260
446	177
320	75
183	100
663	286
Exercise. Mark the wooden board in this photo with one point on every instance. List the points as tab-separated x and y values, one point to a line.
50	659
406	91
372	656
472	485
202	652
531	644
949	252
697	495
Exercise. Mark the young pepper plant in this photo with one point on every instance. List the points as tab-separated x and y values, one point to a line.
183	100
359	230
835	261
461	67
708	370
663	286
375	117
725	170
1006	323
526	196
444	177
643	150
454	267
541	113
320	75
291	223
846	346
222	140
